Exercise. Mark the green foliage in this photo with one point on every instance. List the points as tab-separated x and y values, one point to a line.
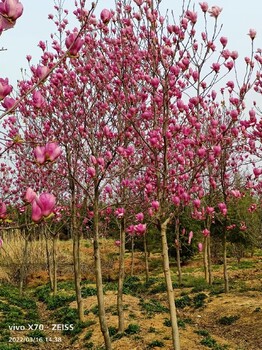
57	301
183	302
152	307
95	310
155	343
112	331
199	300
211	343
88	335
66	315
88	291
10	347
202	332
167	322
36	334
228	320
132	329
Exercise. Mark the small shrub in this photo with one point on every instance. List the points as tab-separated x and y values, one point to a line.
95	310
228	320
202	332
155	343
89	345
132	329
88	335
199	300
181	303
112	331
167	322
151	330
88	292
153	306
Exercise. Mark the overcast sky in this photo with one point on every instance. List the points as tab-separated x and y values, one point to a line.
237	18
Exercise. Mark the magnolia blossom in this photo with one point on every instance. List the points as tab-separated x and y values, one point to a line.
190	236
50	152
200	247
252	33
140	217
155	205
105	16
120	212
2	210
206	232
118	243
5	88
43	206
10	10
73	43
30	195
140	229
215	11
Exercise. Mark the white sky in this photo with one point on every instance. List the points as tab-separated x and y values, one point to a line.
237	17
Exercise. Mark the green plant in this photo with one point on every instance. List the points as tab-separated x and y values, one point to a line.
181	303
112	331
228	320
152	306
88	335
167	322
132	329
36	334
202	332
95	310
199	300
88	291
155	343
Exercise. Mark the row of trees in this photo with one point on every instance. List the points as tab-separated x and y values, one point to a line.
138	116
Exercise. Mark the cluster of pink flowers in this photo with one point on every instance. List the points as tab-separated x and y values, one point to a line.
10	10
42	206
50	152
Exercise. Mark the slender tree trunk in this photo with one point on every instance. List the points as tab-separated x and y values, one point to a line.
146	258
55	238
121	277
99	280
178	258
205	258
209	261
169	285
49	263
226	283
76	259
132	255
23	265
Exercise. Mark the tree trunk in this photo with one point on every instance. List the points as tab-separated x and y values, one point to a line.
23	265
178	258
49	263
55	238
76	259
132	255
226	284
209	261
121	277
146	258
169	285
205	258
99	280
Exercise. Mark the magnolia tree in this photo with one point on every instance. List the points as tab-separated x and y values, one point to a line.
133	105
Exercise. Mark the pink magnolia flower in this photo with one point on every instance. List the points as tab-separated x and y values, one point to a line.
73	43
52	151
215	11
91	171
120	212
155	205
8	102
46	202
204	6
252	33
190	236
197	203
10	10
257	172
223	209
140	229
140	217
42	71
39	153
223	41
38	99
200	247
117	243
30	195
206	232
105	16
2	210
36	212
5	88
